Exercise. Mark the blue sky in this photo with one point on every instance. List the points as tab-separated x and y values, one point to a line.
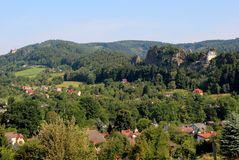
24	22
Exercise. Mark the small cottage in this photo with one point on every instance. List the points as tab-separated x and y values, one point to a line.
206	136
198	91
131	135
14	139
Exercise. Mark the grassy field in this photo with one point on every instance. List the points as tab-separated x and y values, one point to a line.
217	96
61	74
66	84
180	91
57	74
31	72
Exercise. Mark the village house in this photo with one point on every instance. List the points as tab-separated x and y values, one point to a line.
79	93
198	130
44	88
193	128
26	87
59	89
186	129
199	127
30	91
198	92
206	136
96	138
47	96
124	81
168	94
70	91
131	135
14	139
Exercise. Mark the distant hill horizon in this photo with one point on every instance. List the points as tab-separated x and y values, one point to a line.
140	47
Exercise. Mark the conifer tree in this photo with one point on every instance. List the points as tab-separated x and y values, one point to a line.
230	137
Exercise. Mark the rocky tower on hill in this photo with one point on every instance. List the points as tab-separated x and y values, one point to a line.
211	54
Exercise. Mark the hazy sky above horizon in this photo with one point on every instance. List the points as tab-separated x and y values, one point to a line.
24	22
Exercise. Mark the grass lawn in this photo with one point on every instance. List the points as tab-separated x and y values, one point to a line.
57	74
61	74
180	91
31	72
66	84
217	96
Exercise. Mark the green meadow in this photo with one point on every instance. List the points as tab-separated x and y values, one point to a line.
31	72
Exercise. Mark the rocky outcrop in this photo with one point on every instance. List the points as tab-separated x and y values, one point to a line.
165	56
136	60
211	54
179	58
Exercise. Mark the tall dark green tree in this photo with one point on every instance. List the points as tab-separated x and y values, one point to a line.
123	120
116	147
25	116
230	137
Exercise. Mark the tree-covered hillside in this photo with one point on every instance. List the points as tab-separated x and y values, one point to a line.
221	46
132	47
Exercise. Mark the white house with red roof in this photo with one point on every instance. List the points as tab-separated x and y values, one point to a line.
14	139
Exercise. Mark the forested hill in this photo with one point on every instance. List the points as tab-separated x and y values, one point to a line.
53	53
141	47
224	46
132	47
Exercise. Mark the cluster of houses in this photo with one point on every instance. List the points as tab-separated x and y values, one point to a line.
30	91
96	138
196	91
198	130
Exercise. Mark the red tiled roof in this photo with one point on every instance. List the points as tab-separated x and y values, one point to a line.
186	129
207	135
26	87
126	132
130	135
124	81
10	135
70	91
30	91
197	91
96	137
